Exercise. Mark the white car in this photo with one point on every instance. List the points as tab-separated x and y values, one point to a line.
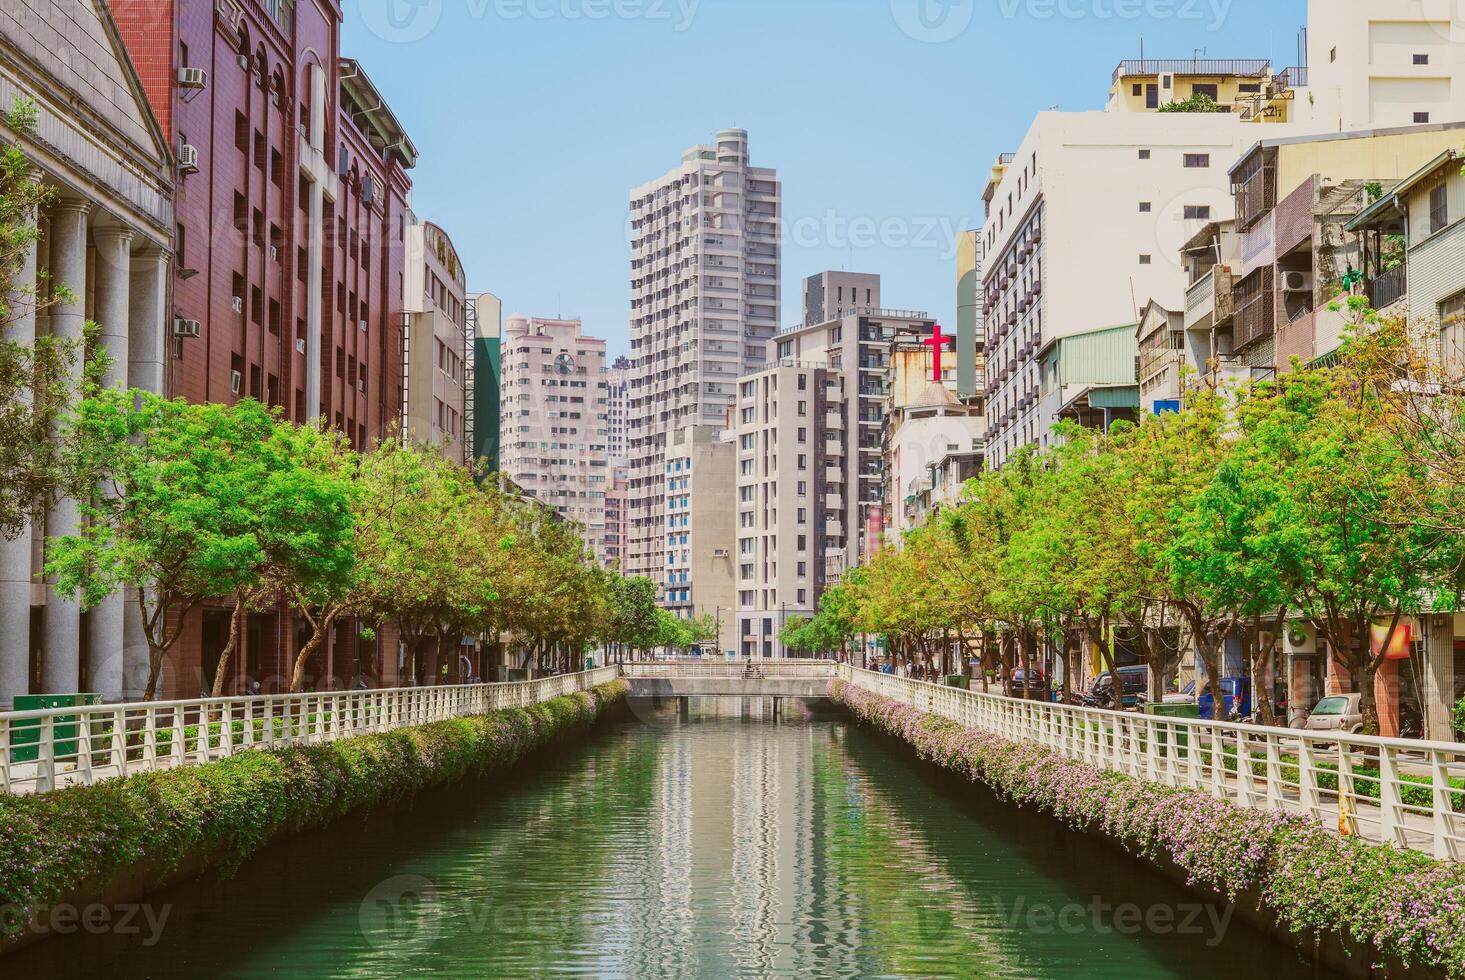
1336	713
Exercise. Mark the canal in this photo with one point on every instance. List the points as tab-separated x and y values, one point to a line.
710	838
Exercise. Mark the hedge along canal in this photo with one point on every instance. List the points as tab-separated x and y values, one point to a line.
1359	908
116	841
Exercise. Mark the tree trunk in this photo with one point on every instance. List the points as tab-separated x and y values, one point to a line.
317	637
235	622
1027	639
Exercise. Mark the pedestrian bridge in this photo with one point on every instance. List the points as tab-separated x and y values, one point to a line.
785	677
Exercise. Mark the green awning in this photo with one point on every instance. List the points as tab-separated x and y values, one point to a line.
1123	396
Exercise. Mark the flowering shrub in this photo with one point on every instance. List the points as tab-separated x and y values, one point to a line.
1401	902
52	845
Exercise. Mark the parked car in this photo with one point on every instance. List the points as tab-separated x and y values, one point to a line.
1231	688
1336	713
1015	684
1186	695
1135	681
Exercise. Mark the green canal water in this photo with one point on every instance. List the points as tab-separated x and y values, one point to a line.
702	838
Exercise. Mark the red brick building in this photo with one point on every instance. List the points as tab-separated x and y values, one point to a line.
291	214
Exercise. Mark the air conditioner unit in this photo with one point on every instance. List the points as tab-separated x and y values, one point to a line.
1300	638
187	159
720	553
234	381
300	344
363	326
192	78
186	328
237	303
243	60
1297	282
274	253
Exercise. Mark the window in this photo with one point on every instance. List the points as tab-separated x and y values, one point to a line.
1249	88
1421	117
1144	260
1138	89
1197	160
1439	208
1198	211
1421	59
1144	154
1144	207
1207	89
1333	55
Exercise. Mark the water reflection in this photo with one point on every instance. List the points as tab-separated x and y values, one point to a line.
702	838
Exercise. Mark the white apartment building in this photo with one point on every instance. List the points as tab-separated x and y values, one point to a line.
1085	222
857	343
791	505
435	342
698	485
553	425
618	380
1385	63
704	304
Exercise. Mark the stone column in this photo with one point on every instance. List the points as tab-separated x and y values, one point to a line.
147	353
60	657
1439	677
15	554
113	279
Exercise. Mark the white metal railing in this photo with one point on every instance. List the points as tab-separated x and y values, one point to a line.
788	667
47	749
1404	792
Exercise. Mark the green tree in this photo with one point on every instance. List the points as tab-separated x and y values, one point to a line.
179	522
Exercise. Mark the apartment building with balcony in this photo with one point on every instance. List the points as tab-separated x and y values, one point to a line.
1296	200
933	442
858	343
1248	87
1385	63
1413	240
699	483
613	542
704	304
790	431
1084	221
553	441
435	343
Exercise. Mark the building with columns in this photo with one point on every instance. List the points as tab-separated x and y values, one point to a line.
290	230
106	236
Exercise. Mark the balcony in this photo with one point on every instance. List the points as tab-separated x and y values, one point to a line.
1387	289
1249	67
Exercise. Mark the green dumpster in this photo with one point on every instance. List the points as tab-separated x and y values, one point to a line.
956	680
1175	709
25	735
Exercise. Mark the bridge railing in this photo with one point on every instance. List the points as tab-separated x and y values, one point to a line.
47	749
787	667
1404	792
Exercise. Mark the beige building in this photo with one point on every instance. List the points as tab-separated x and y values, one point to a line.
436	345
704	303
553	425
1385	63
617	507
699	487
791	505
933	447
1146	183
618	380
857	343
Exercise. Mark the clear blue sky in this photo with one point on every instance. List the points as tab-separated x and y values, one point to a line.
534	118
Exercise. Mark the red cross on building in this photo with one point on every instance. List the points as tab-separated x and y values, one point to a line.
936	342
